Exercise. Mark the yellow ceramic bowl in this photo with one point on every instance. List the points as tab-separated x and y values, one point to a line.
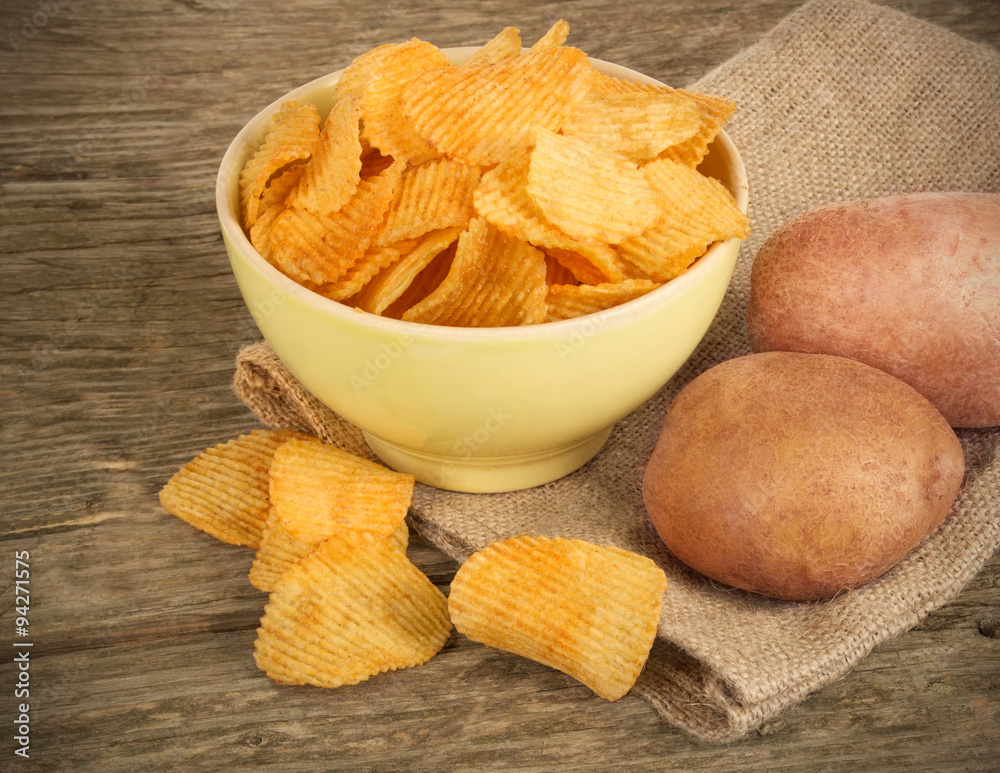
478	409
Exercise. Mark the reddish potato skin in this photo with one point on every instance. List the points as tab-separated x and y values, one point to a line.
799	476
908	284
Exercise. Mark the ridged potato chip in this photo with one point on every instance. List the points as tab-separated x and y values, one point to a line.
495	280
386	127
555	36
433	195
502	199
424	283
638	125
699	211
558	156
481	114
279	551
587	610
589	193
360	274
272	204
384	289
317	249
363	67
506	45
318	490
332	173
353	608
292	136
224	490
568	301
714	112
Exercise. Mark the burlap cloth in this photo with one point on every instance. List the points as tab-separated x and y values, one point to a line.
842	100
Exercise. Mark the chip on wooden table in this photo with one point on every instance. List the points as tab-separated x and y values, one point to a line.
353	608
569	301
589	193
318	490
588	610
291	136
279	551
495	280
224	490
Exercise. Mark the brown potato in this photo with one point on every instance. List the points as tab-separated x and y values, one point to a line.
799	476
909	284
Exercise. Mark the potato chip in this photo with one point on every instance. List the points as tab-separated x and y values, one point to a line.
495	280
292	136
378	294
568	301
279	551
355	77
587	192
360	274
353	608
316	249
699	211
482	114
638	125
385	125
502	199
433	195
318	490
224	490
561	158
424	283
587	610
332	173
557	272
556	36
272	204
715	111
506	45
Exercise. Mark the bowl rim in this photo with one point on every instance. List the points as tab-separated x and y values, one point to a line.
227	207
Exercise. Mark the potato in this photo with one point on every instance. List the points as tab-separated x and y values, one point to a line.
909	284
799	476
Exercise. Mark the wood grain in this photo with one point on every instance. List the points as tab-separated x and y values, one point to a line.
121	320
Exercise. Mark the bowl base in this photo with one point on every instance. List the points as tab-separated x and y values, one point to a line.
488	475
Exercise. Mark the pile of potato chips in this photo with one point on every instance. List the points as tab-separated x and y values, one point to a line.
517	187
346	603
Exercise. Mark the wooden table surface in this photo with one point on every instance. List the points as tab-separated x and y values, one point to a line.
120	325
